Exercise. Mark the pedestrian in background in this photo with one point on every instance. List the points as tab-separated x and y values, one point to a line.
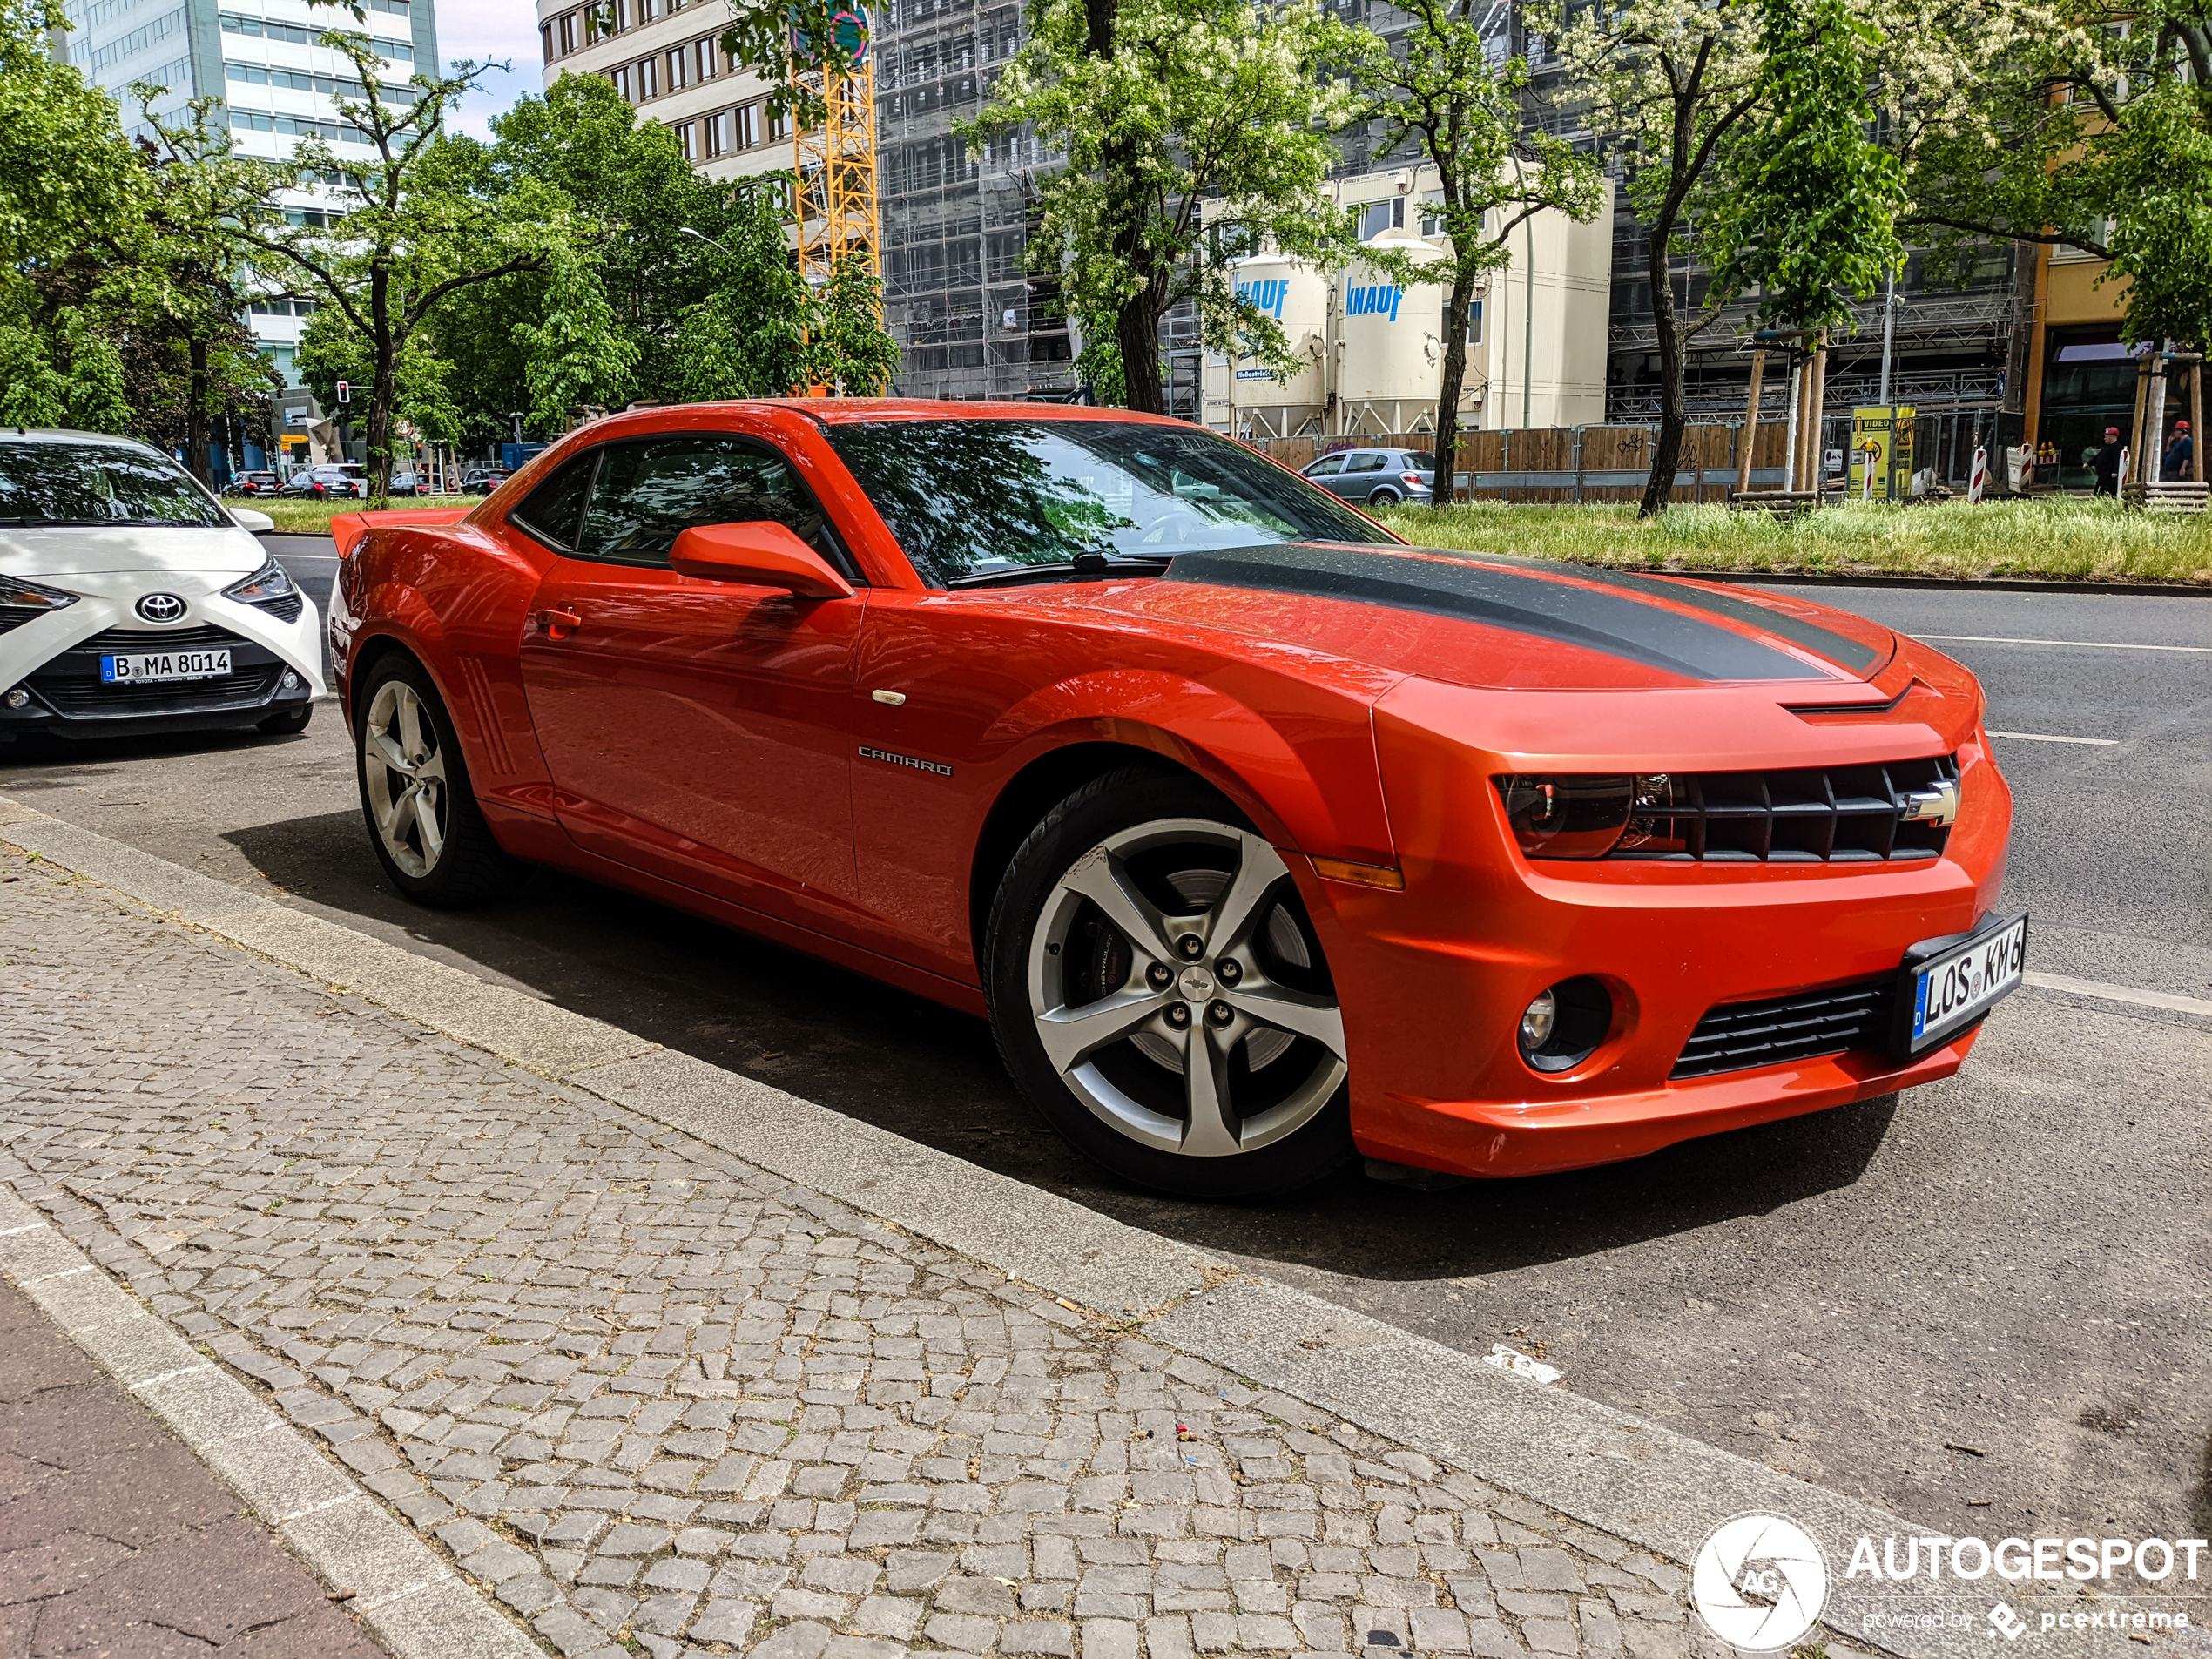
2107	463
2180	454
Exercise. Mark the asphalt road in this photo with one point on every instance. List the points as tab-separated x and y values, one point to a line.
1980	1302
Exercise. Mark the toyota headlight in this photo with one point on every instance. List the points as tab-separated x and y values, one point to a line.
18	595
265	586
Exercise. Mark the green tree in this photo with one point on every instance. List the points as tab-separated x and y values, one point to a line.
577	356
1158	107
1494	172
748	337
404	230
854	354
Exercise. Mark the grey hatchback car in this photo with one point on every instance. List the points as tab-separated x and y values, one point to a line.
1376	478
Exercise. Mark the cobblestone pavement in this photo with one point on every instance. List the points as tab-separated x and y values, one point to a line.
114	1539
653	1398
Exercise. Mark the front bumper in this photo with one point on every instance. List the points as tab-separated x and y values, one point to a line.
1432	979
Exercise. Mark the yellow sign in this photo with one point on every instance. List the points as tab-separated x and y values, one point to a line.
1881	448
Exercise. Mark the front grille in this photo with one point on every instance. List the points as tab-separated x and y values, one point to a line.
1808	815
80	696
286	609
71	683
1738	1036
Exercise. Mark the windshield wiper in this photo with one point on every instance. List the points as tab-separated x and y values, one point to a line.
1087	563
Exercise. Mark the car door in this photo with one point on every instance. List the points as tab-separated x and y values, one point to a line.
699	729
1326	471
1363	470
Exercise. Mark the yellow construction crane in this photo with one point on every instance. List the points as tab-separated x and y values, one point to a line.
836	162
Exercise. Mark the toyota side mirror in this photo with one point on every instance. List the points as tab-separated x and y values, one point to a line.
251	522
764	554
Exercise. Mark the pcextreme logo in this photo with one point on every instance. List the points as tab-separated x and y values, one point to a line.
1758	1581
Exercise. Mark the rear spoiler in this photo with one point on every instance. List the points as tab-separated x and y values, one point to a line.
348	529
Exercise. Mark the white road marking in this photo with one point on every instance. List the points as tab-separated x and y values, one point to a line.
2049	737
2120	994
2086	644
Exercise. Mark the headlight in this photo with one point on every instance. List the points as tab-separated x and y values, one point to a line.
18	595
265	586
1588	815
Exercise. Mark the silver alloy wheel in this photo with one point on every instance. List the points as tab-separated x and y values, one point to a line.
1198	983
405	772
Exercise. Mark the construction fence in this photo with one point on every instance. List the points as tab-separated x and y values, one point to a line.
1592	463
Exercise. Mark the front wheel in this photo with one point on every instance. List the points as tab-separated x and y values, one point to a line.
422	816
1159	994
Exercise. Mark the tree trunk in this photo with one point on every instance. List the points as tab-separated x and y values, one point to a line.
1749	437
1137	331
1458	306
1673	412
383	390
197	459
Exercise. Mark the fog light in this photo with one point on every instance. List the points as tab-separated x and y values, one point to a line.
18	698
290	682
1563	1027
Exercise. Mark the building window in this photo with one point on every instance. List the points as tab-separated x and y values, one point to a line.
749	127
779	127
545	34
621	78
568	34
703	58
717	133
675	71
682	131
1474	324
647	80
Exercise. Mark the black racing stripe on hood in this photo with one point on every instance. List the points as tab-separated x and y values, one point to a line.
1635	630
1853	654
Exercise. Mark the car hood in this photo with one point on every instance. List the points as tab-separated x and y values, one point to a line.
1513	624
75	550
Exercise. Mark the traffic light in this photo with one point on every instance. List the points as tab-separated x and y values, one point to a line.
345	392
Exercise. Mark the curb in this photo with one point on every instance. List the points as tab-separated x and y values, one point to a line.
1607	1469
417	1607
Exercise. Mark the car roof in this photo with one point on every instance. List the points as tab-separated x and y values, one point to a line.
845	411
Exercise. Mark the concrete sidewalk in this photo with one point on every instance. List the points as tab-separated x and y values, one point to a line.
606	1349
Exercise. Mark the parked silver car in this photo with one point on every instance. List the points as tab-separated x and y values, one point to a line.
1377	477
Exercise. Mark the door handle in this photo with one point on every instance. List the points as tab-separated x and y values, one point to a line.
558	624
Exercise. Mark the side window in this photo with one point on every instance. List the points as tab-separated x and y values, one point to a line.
550	512
649	491
1327	468
1368	462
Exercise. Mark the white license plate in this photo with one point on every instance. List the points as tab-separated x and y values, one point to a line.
164	665
1955	986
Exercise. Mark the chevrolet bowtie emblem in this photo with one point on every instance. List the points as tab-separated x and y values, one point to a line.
1938	804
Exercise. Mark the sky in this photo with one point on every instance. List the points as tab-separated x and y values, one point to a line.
502	30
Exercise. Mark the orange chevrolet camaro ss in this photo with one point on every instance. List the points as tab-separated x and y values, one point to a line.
1260	837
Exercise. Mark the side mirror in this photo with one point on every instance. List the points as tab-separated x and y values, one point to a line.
765	554
251	522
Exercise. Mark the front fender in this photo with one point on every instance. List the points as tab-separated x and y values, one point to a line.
1307	774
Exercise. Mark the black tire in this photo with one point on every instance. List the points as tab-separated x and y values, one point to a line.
469	866
288	723
1384	498
1134	802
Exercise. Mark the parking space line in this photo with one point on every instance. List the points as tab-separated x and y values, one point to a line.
2120	994
2052	737
2086	644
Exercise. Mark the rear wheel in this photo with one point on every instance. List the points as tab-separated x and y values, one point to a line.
422	816
1159	994
1383	498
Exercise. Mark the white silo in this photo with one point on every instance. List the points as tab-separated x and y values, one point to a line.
1295	297
1389	345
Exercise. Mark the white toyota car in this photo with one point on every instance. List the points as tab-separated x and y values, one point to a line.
131	600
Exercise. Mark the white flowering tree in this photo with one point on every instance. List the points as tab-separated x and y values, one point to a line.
1150	108
1441	88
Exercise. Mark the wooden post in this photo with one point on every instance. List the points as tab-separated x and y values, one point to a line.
1794	404
1749	436
2197	419
2135	430
1816	401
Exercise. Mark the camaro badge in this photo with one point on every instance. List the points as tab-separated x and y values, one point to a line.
890	760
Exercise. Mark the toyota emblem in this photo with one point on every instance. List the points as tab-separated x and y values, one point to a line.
161	607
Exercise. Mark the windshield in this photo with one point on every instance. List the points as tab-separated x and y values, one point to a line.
973	498
98	483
